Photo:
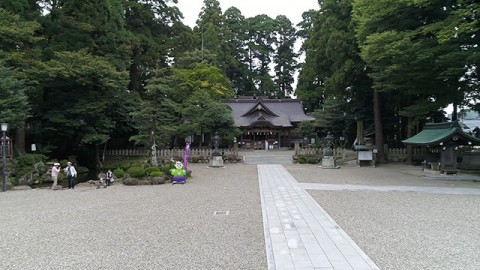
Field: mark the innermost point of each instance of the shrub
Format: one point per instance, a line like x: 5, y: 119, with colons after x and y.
x: 166, y: 168
x: 156, y: 173
x: 136, y: 172
x: 119, y: 173
x: 301, y: 160
x: 140, y: 163
x: 25, y: 163
x: 150, y: 170
x: 194, y: 160
x: 311, y: 160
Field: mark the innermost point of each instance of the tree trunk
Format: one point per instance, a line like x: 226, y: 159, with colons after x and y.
x: 409, y: 147
x: 454, y: 112
x: 97, y: 156
x: 359, y: 139
x: 20, y: 140
x: 377, y: 114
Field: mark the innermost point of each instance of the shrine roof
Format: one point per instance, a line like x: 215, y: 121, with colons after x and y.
x: 254, y: 111
x: 437, y: 133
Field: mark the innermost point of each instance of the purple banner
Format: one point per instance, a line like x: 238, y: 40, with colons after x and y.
x: 185, y: 156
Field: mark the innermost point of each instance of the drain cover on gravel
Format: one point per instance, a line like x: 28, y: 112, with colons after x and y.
x: 221, y: 213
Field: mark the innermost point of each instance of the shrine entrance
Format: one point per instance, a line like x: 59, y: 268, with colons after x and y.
x: 266, y: 124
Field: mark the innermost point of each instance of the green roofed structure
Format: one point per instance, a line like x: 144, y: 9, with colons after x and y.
x: 442, y: 141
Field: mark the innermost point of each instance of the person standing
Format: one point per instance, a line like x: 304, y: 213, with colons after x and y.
x: 55, y: 170
x: 71, y: 175
x: 109, y: 177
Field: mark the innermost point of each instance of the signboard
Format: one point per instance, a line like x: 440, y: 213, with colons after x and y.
x: 365, y: 155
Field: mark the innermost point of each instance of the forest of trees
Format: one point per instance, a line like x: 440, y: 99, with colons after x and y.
x: 81, y: 75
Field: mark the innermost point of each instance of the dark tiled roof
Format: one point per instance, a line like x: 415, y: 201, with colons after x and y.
x: 250, y: 111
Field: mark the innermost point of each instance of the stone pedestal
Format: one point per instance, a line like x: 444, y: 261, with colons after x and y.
x: 216, y: 162
x: 328, y: 162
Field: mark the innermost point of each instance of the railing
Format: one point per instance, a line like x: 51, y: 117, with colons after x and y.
x: 168, y: 153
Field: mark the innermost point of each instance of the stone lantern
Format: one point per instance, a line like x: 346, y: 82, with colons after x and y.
x: 328, y: 160
x: 217, y: 159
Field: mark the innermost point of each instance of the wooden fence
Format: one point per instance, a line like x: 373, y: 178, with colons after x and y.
x: 400, y: 154
x: 392, y: 154
x: 168, y: 153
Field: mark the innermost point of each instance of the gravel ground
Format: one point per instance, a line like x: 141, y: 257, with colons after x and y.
x: 138, y: 227
x: 410, y: 231
x: 386, y: 174
x: 401, y: 230
x: 173, y: 227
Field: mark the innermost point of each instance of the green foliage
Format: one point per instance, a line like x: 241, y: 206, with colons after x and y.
x: 307, y: 129
x: 76, y: 92
x: 411, y: 56
x: 150, y: 170
x: 311, y: 160
x: 156, y: 118
x: 136, y: 172
x: 205, y: 78
x: 302, y: 159
x: 119, y: 173
x: 14, y: 106
x: 217, y: 116
x: 25, y: 164
x: 284, y: 59
x: 156, y: 174
x: 16, y: 33
x: 166, y: 168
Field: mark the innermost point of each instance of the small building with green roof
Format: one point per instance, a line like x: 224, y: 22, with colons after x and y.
x: 442, y: 141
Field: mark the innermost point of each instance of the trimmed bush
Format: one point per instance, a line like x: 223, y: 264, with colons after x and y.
x: 150, y: 170
x: 302, y: 160
x: 136, y: 172
x: 156, y: 173
x: 119, y: 173
x: 311, y: 160
x: 166, y: 168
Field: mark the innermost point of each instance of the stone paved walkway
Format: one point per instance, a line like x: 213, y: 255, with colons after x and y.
x: 431, y: 190
x: 299, y: 234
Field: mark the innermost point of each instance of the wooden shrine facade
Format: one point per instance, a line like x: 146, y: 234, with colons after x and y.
x: 267, y: 123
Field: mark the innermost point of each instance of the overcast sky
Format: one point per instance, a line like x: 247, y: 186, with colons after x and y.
x: 293, y: 9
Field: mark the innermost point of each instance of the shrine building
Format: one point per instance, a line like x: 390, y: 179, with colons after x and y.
x: 267, y: 123
x: 442, y: 141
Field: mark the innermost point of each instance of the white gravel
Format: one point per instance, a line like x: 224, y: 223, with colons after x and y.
x: 138, y: 227
x: 173, y: 227
x: 400, y: 230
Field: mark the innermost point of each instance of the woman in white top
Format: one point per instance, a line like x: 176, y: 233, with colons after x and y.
x: 71, y: 175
